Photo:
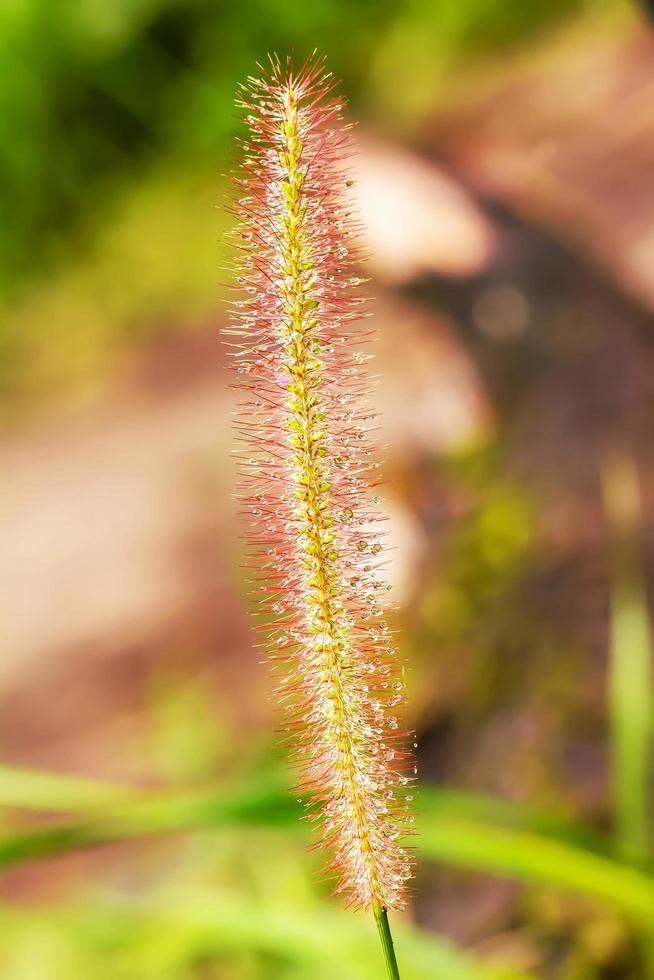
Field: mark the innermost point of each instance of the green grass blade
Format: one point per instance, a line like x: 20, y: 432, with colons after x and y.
x: 34, y: 789
x: 266, y: 803
x: 536, y: 859
x: 631, y: 701
x: 438, y: 803
x: 263, y: 802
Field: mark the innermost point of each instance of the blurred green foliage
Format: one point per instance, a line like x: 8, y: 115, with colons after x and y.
x: 98, y: 98
x: 94, y: 91
x: 223, y: 886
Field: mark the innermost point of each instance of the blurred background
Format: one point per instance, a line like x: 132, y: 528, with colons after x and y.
x: 504, y: 176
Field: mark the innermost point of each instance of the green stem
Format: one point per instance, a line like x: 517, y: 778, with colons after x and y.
x: 381, y: 918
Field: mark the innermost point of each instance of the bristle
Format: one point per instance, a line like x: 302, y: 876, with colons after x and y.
x: 316, y: 543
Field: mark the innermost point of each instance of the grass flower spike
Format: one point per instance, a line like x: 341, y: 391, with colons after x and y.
x: 309, y: 475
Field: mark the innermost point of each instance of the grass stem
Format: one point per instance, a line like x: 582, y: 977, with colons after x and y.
x: 381, y: 918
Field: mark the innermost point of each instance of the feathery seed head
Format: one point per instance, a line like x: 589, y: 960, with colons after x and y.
x: 315, y: 534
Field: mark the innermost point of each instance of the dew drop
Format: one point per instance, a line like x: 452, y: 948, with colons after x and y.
x: 347, y: 515
x: 376, y: 548
x: 362, y: 545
